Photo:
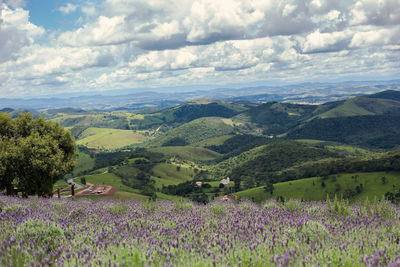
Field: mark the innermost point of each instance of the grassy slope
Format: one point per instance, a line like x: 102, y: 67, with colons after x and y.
x: 188, y: 152
x: 109, y: 138
x: 83, y: 162
x: 348, y: 108
x: 167, y: 174
x: 361, y: 106
x: 109, y: 179
x: 216, y: 141
x: 336, y: 146
x: 304, y: 188
x: 197, y: 130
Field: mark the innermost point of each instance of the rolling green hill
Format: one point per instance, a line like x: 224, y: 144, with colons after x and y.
x: 260, y: 162
x: 188, y: 112
x: 170, y: 174
x: 360, y: 106
x: 196, y: 131
x: 376, y: 131
x: 187, y: 152
x: 343, y: 185
x: 110, y: 138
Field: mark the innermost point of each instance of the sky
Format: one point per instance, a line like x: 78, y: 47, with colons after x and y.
x: 51, y: 47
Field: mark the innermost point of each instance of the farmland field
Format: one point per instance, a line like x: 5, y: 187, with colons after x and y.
x: 84, y: 232
x: 109, y: 138
x: 168, y: 174
x: 312, y: 189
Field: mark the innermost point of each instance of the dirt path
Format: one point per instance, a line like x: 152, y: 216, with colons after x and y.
x: 99, y: 190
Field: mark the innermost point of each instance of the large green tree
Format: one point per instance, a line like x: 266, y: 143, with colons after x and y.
x: 34, y: 153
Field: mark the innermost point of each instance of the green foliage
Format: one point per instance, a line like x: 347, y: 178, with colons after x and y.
x: 175, y: 141
x: 196, y: 130
x: 389, y: 161
x: 304, y: 189
x: 83, y: 180
x: 278, y: 155
x: 47, y: 235
x: 218, y: 209
x: 238, y: 144
x: 370, y: 131
x: 183, y: 205
x: 34, y: 154
x: 278, y: 118
x: 195, y: 154
x: 119, y: 209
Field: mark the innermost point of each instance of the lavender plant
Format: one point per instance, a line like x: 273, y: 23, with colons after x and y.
x: 52, y: 232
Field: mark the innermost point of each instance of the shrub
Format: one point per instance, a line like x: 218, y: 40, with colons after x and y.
x: 48, y: 236
x: 119, y: 209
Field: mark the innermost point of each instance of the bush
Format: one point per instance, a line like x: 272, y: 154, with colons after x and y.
x: 48, y: 236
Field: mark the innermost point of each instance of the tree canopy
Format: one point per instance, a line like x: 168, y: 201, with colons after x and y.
x: 34, y: 154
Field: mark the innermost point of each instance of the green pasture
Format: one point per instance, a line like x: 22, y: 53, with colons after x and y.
x: 168, y: 174
x: 312, y: 188
x: 188, y: 152
x: 107, y: 138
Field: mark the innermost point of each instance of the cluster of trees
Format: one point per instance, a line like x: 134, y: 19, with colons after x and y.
x: 378, y: 131
x: 275, y: 157
x: 276, y: 118
x: 389, y: 161
x: 238, y: 144
x: 34, y: 154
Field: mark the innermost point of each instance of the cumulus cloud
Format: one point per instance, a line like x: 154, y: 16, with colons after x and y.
x: 16, y: 32
x: 128, y: 43
x: 16, y: 3
x: 68, y: 8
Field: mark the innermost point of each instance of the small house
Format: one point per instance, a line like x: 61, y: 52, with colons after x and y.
x: 199, y: 183
x: 225, y: 182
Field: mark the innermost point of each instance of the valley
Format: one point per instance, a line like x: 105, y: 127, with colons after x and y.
x: 284, y: 148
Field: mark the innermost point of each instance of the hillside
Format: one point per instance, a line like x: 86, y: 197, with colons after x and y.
x: 195, y: 131
x: 106, y: 138
x: 354, y: 186
x: 277, y: 118
x: 187, y: 112
x: 365, y: 105
x: 375, y: 131
x: 259, y: 163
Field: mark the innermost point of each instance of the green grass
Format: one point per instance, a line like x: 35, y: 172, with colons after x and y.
x: 167, y: 174
x: 216, y: 141
x: 109, y: 179
x: 349, y: 149
x: 60, y: 184
x: 348, y: 108
x: 197, y: 131
x: 362, y: 106
x: 124, y: 192
x: 110, y: 138
x: 83, y: 163
x: 336, y: 146
x: 311, y: 189
x: 188, y: 152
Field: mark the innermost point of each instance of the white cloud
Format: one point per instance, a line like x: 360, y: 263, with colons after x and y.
x: 318, y: 42
x: 15, y: 3
x: 128, y: 43
x: 16, y: 32
x: 68, y: 8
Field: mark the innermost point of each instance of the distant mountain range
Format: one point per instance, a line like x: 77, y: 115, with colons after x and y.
x: 311, y: 93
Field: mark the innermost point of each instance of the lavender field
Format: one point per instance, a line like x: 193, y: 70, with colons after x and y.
x: 52, y: 232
